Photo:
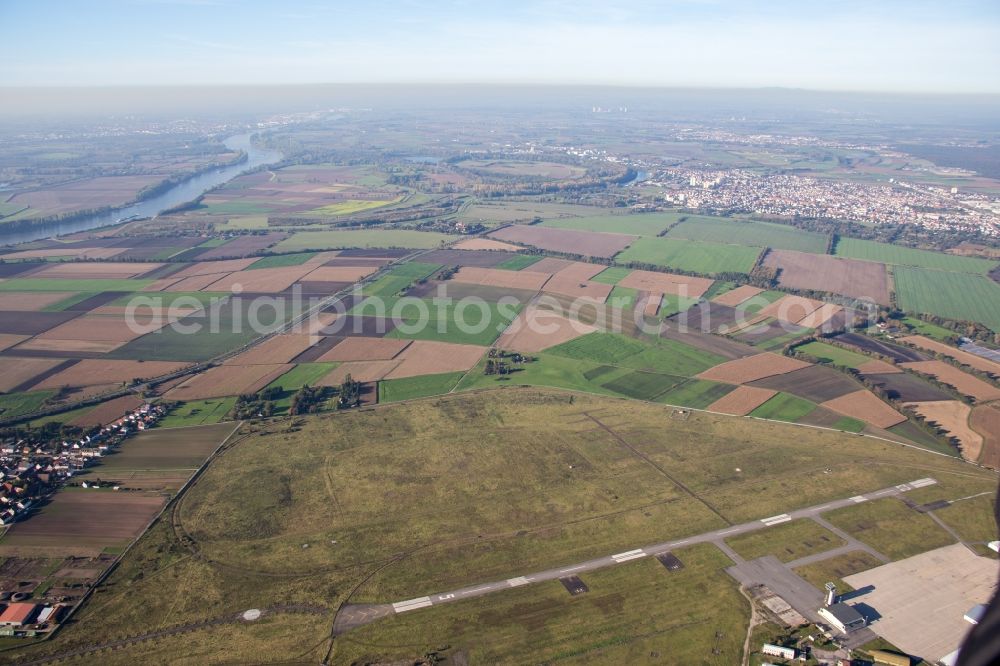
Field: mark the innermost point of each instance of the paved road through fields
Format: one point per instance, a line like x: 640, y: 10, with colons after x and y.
x: 656, y: 549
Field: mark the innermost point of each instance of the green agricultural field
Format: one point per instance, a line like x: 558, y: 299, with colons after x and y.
x: 352, y: 206
x: 886, y: 253
x: 693, y: 256
x: 198, y: 412
x: 368, y: 238
x: 833, y: 354
x: 787, y: 541
x: 519, y: 262
x: 747, y: 232
x: 69, y: 301
x: 54, y: 284
x: 933, y: 331
x: 391, y: 285
x: 960, y: 296
x: 673, y: 304
x: 636, y: 224
x: 547, y: 370
x: 16, y: 404
x: 643, y: 385
x: 784, y: 407
x: 611, y: 275
x: 408, y: 388
x: 478, y: 324
x: 379, y: 505
x: 237, y: 208
x: 623, y: 297
x: 695, y: 393
x: 891, y: 527
x: 282, y: 260
x: 666, y: 356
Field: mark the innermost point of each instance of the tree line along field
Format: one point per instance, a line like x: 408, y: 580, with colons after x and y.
x: 300, y: 516
x: 961, y: 296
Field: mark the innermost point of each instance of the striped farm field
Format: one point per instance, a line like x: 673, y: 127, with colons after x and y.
x: 961, y: 296
x: 747, y: 232
x: 856, y: 248
x: 694, y: 256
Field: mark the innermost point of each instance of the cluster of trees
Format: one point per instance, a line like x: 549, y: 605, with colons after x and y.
x: 256, y: 405
x: 349, y: 393
x: 498, y: 362
x: 309, y: 399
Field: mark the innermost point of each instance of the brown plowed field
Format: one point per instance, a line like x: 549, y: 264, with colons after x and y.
x: 497, y: 277
x: 752, y: 368
x: 651, y: 304
x: 574, y: 281
x: 819, y: 317
x: 963, y: 357
x: 31, y: 301
x: 8, y: 340
x: 15, y: 371
x: 360, y: 371
x: 815, y: 383
x: 104, y: 328
x: 193, y: 283
x: 535, y: 329
x: 85, y: 519
x: 570, y: 241
x: 552, y: 265
x: 108, y: 412
x: 737, y: 296
x: 866, y: 406
x: 887, y: 349
x: 822, y: 272
x: 276, y: 349
x: 365, y: 349
x: 100, y: 270
x: 741, y: 401
x: 92, y: 372
x: 907, y: 387
x: 953, y: 417
x: 877, y: 367
x: 485, y: 244
x: 952, y: 376
x: 70, y: 347
x: 214, y: 267
x: 261, y: 280
x: 426, y: 357
x: 791, y: 308
x: 77, y: 252
x: 340, y: 273
x: 667, y: 283
x: 985, y: 420
x: 31, y: 323
x: 228, y: 380
x: 241, y: 247
x: 715, y: 344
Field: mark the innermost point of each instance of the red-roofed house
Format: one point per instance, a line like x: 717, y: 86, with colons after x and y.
x: 18, y: 614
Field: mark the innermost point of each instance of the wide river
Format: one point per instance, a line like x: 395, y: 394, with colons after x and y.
x: 181, y: 193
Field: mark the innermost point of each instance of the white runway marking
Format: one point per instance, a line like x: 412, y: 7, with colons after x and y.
x: 520, y: 580
x: 629, y: 555
x: 775, y: 520
x: 572, y: 569
x: 858, y: 499
x: 729, y: 532
x: 920, y: 483
x: 412, y: 604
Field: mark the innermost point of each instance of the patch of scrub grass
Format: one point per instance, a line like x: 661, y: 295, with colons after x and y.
x: 834, y: 569
x: 408, y: 388
x: 787, y: 541
x: 16, y: 404
x: 784, y: 407
x: 973, y: 519
x: 890, y: 527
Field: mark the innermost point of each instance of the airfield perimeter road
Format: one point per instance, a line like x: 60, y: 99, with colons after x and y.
x: 626, y: 556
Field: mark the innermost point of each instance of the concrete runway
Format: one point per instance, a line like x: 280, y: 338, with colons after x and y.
x: 645, y: 551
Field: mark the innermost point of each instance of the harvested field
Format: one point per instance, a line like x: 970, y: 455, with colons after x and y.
x: 985, y: 420
x: 574, y: 280
x: 904, y: 386
x: 535, y: 329
x: 724, y: 347
x: 261, y: 280
x: 84, y: 194
x: 32, y: 323
x: 427, y: 357
x: 382, y: 253
x: 876, y: 367
x: 276, y: 349
x: 769, y: 331
x: 650, y: 303
x: 96, y: 301
x: 365, y: 349
x: 963, y: 357
x: 93, y: 372
x: 351, y: 325
x: 8, y: 340
x: 104, y: 270
x: 485, y: 244
x: 243, y: 246
x: 30, y: 301
x: 460, y: 290
x: 72, y: 348
x: 866, y: 406
x: 360, y: 371
x: 81, y: 519
x: 193, y: 283
x: 323, y: 345
x: 214, y: 267
x: 820, y: 272
x: 752, y: 368
x: 20, y: 269
x: 553, y: 264
x: 667, y: 283
x: 708, y: 316
x: 872, y: 346
x: 741, y: 401
x: 815, y: 382
x: 952, y: 416
x: 340, y: 273
x: 497, y: 277
x: 15, y: 371
x: 820, y: 316
x: 736, y: 296
x: 962, y: 382
x: 104, y: 328
x: 107, y: 412
x: 480, y: 258
x: 570, y: 241
x: 790, y: 308
x: 75, y: 252
x: 228, y: 380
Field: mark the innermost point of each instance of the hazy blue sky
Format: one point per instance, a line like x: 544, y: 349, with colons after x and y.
x: 893, y: 45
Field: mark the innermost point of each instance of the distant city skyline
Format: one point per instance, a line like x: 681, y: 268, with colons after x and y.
x: 892, y: 46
